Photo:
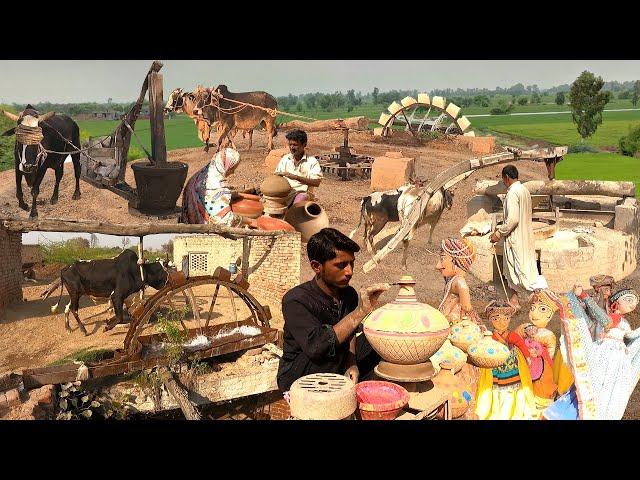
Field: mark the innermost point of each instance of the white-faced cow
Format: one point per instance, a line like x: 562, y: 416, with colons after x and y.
x: 225, y: 109
x: 35, y: 134
x: 379, y: 208
x: 114, y: 278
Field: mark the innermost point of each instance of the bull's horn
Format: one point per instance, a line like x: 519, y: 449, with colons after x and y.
x: 10, y: 115
x: 46, y: 116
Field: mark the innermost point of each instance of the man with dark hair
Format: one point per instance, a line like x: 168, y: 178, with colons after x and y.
x: 322, y: 315
x: 301, y: 171
x: 519, y: 257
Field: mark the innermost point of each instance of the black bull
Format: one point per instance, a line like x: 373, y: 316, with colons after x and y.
x: 56, y: 131
x: 114, y: 278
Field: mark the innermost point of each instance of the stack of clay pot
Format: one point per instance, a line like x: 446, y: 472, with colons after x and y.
x: 247, y: 206
x: 323, y: 396
x: 275, y: 194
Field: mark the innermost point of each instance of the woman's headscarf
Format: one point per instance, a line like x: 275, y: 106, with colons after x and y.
x: 461, y: 251
x: 220, y: 164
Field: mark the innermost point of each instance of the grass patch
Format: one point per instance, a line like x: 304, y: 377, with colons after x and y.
x: 599, y: 166
x: 69, y: 251
x: 86, y: 355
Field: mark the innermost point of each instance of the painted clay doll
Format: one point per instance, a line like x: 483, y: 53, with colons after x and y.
x: 506, y: 392
x: 606, y: 370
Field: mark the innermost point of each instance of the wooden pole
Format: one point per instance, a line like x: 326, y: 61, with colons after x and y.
x: 561, y: 187
x: 180, y: 394
x: 156, y: 117
x: 246, y: 249
x: 141, y: 257
x: 89, y: 226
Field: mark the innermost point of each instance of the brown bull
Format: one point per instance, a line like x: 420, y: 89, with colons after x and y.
x: 225, y: 109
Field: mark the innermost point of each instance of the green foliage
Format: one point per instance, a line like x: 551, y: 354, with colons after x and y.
x: 69, y: 251
x: 86, y: 355
x: 523, y: 101
x: 502, y: 107
x: 374, y: 95
x: 170, y: 325
x: 636, y: 93
x: 481, y: 100
x: 6, y: 143
x: 598, y: 166
x: 630, y: 144
x: 560, y: 98
x: 587, y: 102
x: 582, y: 148
x: 535, y: 98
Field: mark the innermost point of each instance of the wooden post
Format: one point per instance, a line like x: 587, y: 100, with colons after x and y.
x: 246, y: 249
x: 141, y: 257
x: 180, y: 394
x: 156, y: 117
x: 123, y: 134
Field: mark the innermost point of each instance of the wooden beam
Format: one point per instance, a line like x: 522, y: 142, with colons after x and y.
x: 180, y: 395
x: 561, y: 187
x: 92, y: 226
x: 156, y: 118
x: 354, y: 123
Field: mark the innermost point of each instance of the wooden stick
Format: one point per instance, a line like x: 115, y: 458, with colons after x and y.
x: 180, y: 394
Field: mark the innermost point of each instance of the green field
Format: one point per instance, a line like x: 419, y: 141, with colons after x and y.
x: 599, y: 166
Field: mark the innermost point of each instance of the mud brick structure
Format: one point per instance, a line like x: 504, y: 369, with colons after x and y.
x: 391, y: 171
x: 274, y: 262
x: 10, y: 268
x: 271, y: 160
x: 480, y: 145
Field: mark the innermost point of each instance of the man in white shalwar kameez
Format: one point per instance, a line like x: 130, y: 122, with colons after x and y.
x: 519, y: 258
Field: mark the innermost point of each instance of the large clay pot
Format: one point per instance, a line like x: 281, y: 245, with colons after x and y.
x: 457, y: 390
x: 488, y: 353
x: 271, y: 224
x: 158, y: 186
x: 405, y: 331
x: 308, y: 218
x: 464, y: 333
x: 275, y: 186
x: 275, y: 205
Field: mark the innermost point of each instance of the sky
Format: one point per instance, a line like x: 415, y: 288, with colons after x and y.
x: 154, y: 242
x: 65, y: 81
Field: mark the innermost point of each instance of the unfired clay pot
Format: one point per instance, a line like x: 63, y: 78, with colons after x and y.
x: 405, y: 331
x: 308, y: 218
x: 464, y: 333
x: 275, y: 186
x: 459, y: 393
x: 488, y: 353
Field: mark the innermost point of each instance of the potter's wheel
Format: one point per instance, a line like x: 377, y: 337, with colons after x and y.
x: 419, y: 372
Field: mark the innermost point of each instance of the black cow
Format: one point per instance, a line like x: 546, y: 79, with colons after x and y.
x: 115, y: 278
x: 30, y: 161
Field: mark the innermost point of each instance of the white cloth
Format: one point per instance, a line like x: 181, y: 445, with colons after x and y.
x: 217, y: 195
x: 519, y: 263
x: 308, y: 167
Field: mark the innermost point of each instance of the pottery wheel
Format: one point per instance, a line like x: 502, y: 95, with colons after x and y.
x: 420, y: 372
x: 323, y: 396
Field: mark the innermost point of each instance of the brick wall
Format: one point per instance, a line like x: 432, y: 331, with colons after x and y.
x: 10, y: 268
x: 274, y: 262
x: 272, y: 406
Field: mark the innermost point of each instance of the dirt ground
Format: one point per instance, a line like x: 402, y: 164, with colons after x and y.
x: 30, y: 336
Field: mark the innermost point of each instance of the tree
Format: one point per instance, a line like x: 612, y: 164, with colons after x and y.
x: 523, y: 101
x: 535, y: 98
x: 78, y: 243
x: 93, y: 241
x: 636, y: 93
x: 630, y: 144
x: 125, y: 242
x: 481, y: 100
x: 310, y: 100
x: 560, y: 98
x: 299, y: 106
x: 167, y: 247
x: 587, y: 102
x: 374, y: 94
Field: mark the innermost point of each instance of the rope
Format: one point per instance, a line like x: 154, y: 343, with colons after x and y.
x: 495, y: 256
x: 29, y: 135
x: 271, y: 111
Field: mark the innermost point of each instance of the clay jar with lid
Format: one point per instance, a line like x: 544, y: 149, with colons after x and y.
x: 464, y: 333
x: 405, y: 331
x: 487, y: 352
x: 457, y: 390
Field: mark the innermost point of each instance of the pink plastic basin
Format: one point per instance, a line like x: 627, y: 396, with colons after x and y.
x: 378, y: 400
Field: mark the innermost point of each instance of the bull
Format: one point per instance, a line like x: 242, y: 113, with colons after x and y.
x: 115, y: 278
x: 379, y: 208
x: 38, y: 138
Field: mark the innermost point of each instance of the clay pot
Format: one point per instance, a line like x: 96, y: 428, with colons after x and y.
x: 308, y: 218
x: 247, y: 208
x: 405, y: 331
x: 275, y: 205
x: 271, y: 224
x: 449, y: 353
x: 488, y: 353
x: 323, y: 396
x: 464, y: 333
x: 378, y: 400
x: 457, y: 390
x: 275, y: 186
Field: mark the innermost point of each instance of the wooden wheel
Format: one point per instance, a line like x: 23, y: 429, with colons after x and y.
x: 206, y: 301
x: 424, y: 115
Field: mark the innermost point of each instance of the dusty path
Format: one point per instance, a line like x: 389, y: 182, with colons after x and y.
x: 30, y: 336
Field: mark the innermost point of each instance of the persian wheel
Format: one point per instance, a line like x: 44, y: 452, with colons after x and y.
x: 204, y: 301
x: 423, y: 115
